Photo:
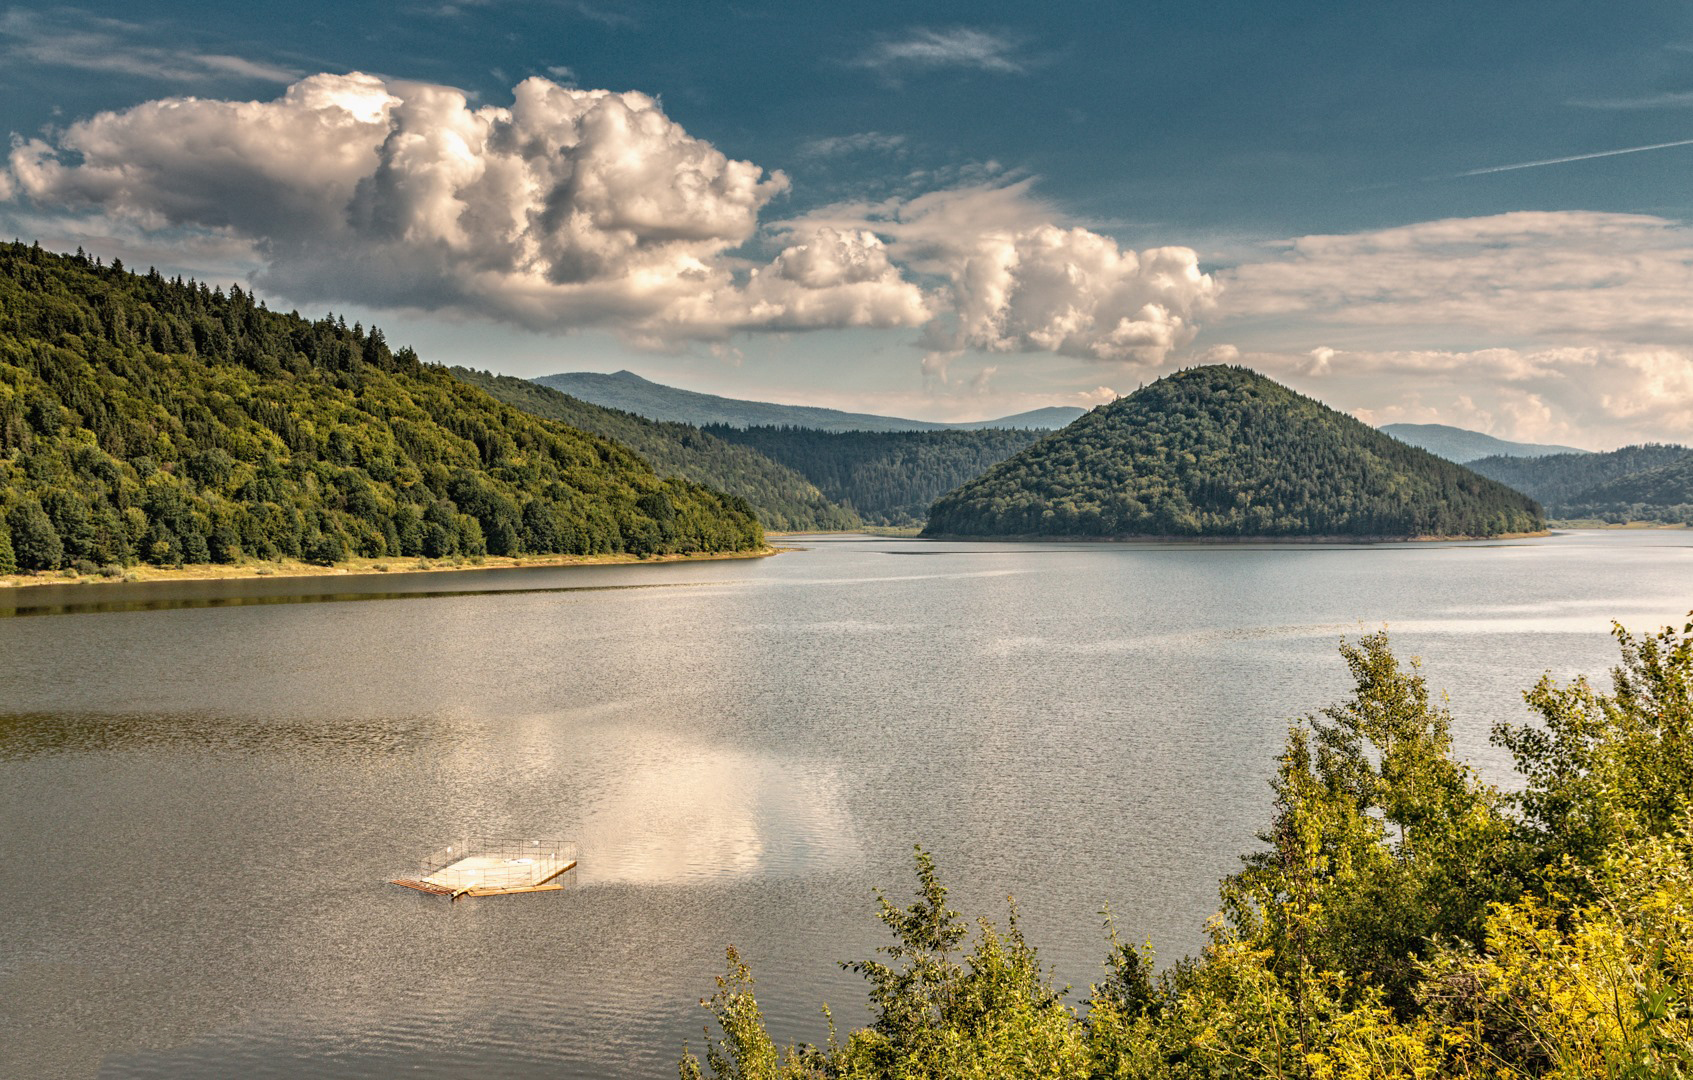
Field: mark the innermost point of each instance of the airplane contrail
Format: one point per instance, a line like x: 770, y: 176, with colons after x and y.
x: 1574, y: 157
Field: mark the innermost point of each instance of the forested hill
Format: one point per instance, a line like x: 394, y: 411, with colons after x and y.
x: 1223, y: 451
x: 782, y: 498
x: 151, y: 419
x: 1650, y: 482
x: 888, y: 477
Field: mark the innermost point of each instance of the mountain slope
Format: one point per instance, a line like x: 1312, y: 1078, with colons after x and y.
x: 782, y: 498
x: 146, y: 419
x: 888, y: 477
x: 629, y: 392
x: 1463, y: 446
x: 1222, y: 451
x: 1650, y: 482
x: 1050, y: 418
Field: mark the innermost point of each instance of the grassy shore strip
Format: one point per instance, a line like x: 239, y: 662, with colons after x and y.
x: 358, y: 567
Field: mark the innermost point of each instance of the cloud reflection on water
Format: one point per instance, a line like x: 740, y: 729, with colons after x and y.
x: 684, y: 812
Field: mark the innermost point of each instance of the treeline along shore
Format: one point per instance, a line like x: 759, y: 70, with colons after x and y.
x: 162, y: 422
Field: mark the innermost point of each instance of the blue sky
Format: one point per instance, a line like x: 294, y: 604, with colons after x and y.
x: 943, y: 210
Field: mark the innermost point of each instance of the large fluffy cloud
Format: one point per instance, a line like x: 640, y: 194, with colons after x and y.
x: 573, y: 208
x: 1075, y: 292
x: 567, y: 208
x: 1016, y: 282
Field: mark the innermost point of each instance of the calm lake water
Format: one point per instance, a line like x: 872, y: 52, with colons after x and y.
x: 204, y: 793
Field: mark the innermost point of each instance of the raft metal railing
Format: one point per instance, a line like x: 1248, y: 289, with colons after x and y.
x: 500, y: 862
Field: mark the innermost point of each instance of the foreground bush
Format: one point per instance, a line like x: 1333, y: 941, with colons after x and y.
x: 1403, y: 919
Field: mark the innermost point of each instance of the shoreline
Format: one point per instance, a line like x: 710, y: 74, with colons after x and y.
x: 1358, y: 541
x: 374, y: 569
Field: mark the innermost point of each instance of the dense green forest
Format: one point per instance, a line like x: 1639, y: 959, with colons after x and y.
x: 146, y: 419
x: 888, y: 477
x: 783, y: 498
x: 1651, y: 482
x: 1223, y: 451
x: 1403, y: 919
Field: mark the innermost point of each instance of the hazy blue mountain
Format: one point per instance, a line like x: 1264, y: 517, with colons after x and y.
x: 1050, y: 418
x: 628, y: 391
x: 1461, y: 445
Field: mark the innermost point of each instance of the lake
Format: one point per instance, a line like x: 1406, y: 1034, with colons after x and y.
x: 206, y: 787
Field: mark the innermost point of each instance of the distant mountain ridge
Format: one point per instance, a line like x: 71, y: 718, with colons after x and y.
x: 1225, y: 452
x: 1650, y: 482
x: 1463, y: 446
x: 629, y: 392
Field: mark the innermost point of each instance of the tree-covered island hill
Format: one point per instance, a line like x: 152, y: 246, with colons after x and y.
x: 1223, y: 452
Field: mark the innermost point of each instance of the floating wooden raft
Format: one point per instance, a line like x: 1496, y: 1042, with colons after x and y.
x: 483, y: 866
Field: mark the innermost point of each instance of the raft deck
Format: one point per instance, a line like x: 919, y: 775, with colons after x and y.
x: 483, y: 866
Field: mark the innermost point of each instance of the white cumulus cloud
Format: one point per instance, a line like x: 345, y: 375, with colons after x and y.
x: 567, y: 208
x: 570, y: 208
x: 1014, y: 282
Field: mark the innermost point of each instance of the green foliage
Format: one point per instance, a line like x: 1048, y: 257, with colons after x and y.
x: 1403, y: 919
x: 1650, y: 482
x: 888, y: 477
x: 937, y: 1014
x: 35, y: 542
x: 1221, y: 451
x: 1603, y: 769
x: 782, y: 498
x: 166, y: 421
x: 8, y: 557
